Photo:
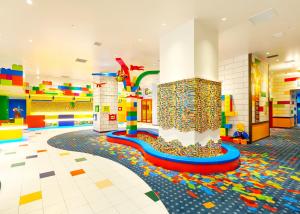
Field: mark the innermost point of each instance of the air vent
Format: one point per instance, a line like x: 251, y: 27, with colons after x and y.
x: 272, y: 56
x: 289, y: 61
x: 263, y: 16
x: 81, y: 60
x: 65, y: 76
x: 97, y: 44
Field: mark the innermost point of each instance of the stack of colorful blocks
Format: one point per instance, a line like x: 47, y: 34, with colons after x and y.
x: 67, y: 89
x: 12, y: 77
x: 227, y: 111
x: 131, y: 117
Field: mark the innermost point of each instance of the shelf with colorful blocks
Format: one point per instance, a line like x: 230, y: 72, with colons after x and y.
x: 132, y: 89
x: 60, y: 104
x: 227, y: 111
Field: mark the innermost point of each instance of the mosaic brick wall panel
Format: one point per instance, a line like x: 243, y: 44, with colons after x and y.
x: 208, y: 105
x: 259, y: 90
x: 190, y: 105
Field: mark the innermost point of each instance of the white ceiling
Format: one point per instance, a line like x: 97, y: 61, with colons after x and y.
x: 63, y: 30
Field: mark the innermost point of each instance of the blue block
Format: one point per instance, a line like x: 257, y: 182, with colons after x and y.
x: 66, y: 116
x: 131, y: 118
x: 228, y: 126
x: 131, y: 131
x: 135, y: 104
x: 8, y: 71
x: 77, y: 88
x: 66, y: 123
x: 62, y: 87
x: 17, y: 73
x: 223, y: 97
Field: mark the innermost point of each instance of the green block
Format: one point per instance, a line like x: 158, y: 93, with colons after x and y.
x: 35, y: 88
x: 88, y: 86
x: 152, y: 195
x: 132, y: 127
x: 4, y: 107
x: 6, y: 82
x: 263, y: 94
x: 89, y: 95
x: 132, y: 113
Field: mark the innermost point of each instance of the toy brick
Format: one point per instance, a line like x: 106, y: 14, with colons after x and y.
x: 17, y: 80
x: 228, y: 126
x: 6, y: 82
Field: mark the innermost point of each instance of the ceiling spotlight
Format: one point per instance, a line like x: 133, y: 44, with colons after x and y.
x: 224, y: 19
x: 140, y: 40
x: 29, y: 2
x: 268, y: 53
x: 30, y: 40
x: 163, y: 24
x: 277, y: 60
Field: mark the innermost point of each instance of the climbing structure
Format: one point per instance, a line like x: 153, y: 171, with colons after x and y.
x: 227, y: 111
x: 131, y: 86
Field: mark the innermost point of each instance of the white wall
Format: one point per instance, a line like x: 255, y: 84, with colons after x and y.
x: 154, y: 104
x: 233, y: 73
x: 206, y: 52
x: 177, y: 54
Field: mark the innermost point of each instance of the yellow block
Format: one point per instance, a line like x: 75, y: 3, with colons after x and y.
x: 131, y: 123
x: 51, y: 117
x: 11, y: 134
x: 222, y: 132
x: 230, y: 114
x: 19, y: 121
x: 128, y: 88
x: 131, y: 109
x: 24, y: 199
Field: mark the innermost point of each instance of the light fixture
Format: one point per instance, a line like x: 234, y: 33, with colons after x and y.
x: 140, y: 40
x: 224, y: 19
x: 268, y: 53
x: 277, y: 60
x: 30, y: 40
x: 29, y: 2
x: 163, y: 24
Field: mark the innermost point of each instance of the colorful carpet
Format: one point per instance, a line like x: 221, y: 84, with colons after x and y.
x: 268, y: 180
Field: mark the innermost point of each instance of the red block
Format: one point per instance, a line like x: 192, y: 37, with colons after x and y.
x: 290, y: 79
x: 3, y: 76
x: 17, y: 80
x: 9, y: 77
x: 85, y: 89
x: 112, y: 117
x: 39, y: 92
x: 260, y: 108
x: 283, y: 102
x: 35, y: 121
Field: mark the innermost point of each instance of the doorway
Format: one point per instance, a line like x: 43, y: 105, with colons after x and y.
x: 146, y: 111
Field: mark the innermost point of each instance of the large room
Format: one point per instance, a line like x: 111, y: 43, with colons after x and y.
x: 149, y: 106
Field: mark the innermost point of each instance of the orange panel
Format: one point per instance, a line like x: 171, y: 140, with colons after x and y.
x: 283, y: 122
x: 260, y: 131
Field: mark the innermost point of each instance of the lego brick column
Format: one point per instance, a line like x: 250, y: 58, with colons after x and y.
x: 105, y: 102
x: 131, y: 117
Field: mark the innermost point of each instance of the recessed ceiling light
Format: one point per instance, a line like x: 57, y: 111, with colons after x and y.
x: 30, y: 40
x: 277, y: 60
x: 163, y: 24
x: 268, y: 53
x: 29, y: 2
x: 140, y: 40
x: 224, y: 19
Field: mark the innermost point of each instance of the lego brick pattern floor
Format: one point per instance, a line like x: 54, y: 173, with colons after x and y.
x: 268, y: 180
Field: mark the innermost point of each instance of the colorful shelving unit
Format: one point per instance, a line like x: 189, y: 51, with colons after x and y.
x: 58, y: 106
x: 227, y: 111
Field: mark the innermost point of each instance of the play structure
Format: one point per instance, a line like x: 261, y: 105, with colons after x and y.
x: 12, y: 104
x: 132, y: 88
x: 211, y: 158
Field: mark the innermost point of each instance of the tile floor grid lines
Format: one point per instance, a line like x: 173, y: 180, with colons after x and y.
x: 56, y: 193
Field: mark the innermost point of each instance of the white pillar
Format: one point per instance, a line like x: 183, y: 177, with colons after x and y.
x: 189, y: 51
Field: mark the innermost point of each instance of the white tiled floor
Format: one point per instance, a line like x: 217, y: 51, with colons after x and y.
x: 64, y: 193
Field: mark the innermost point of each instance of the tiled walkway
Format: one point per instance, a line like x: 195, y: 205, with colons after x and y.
x: 268, y: 180
x: 38, y: 178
